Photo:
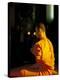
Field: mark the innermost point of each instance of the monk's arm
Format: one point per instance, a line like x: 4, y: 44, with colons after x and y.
x: 36, y: 49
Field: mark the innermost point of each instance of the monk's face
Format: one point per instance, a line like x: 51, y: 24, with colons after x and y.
x: 39, y: 33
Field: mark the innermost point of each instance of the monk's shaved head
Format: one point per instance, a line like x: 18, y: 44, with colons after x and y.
x: 41, y: 26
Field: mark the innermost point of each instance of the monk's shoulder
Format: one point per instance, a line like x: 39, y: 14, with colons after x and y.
x: 50, y: 43
x: 41, y: 42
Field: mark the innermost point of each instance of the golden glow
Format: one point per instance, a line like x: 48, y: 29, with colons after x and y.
x: 34, y: 33
x: 28, y: 33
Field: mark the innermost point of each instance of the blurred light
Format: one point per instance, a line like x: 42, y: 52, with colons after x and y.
x: 28, y: 33
x: 49, y: 12
x: 34, y: 33
x: 52, y: 12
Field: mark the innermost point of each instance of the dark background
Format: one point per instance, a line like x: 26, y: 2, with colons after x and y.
x: 22, y: 18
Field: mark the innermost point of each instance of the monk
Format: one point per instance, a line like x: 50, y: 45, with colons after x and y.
x: 44, y: 55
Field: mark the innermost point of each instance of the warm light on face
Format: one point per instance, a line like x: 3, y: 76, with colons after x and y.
x: 39, y: 33
x: 28, y: 33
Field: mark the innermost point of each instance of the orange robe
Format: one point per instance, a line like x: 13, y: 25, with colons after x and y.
x: 44, y: 53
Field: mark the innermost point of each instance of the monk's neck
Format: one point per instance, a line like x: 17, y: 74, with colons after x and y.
x: 43, y: 38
